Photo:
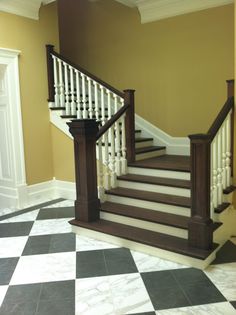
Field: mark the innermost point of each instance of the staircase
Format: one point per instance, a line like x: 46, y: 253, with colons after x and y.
x: 138, y: 194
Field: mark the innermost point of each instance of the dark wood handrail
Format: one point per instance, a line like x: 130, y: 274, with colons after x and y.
x: 111, y: 121
x: 221, y: 117
x: 92, y: 76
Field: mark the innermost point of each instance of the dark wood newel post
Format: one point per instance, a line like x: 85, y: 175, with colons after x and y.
x: 49, y: 50
x: 130, y: 125
x: 87, y: 204
x: 200, y: 228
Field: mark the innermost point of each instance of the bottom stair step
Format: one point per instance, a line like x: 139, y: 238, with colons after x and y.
x: 146, y: 237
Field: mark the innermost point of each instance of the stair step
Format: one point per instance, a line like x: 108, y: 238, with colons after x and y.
x: 138, y: 130
x: 150, y: 196
x: 145, y: 214
x: 148, y: 149
x: 141, y: 139
x: 229, y: 189
x: 222, y: 207
x: 171, y: 182
x: 146, y: 237
x: 179, y: 163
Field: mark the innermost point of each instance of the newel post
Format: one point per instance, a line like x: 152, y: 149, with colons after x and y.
x: 87, y: 204
x: 200, y: 227
x: 130, y: 125
x: 49, y: 50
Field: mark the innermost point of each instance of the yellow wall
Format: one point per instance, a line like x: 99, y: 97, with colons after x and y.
x: 178, y: 65
x: 30, y: 37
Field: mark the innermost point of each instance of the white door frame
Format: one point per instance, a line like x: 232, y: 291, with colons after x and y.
x: 13, y: 188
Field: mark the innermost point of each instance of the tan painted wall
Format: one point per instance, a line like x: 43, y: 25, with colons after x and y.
x: 30, y: 37
x: 178, y: 65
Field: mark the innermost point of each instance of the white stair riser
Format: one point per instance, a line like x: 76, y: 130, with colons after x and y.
x: 138, y: 135
x: 155, y: 188
x: 143, y: 144
x: 149, y: 205
x: 148, y: 155
x: 150, y: 250
x: 169, y: 230
x: 158, y: 173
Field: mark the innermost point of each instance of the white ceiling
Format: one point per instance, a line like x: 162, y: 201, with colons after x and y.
x: 150, y: 10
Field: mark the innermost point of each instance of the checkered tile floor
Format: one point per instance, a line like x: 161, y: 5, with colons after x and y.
x: 47, y: 270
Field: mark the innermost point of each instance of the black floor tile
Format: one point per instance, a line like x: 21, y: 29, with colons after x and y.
x: 56, y: 213
x: 53, y: 243
x: 157, y: 280
x: 15, y: 229
x: 234, y: 304
x: 119, y: 261
x: 226, y: 254
x: 7, y: 267
x: 60, y: 307
x: 90, y: 264
x: 64, y: 242
x: 20, y: 308
x: 189, y: 276
x: 23, y: 293
x: 59, y: 290
x: 165, y: 298
x: 199, y: 293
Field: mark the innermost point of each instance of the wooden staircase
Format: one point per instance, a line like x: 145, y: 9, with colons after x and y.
x: 147, y: 200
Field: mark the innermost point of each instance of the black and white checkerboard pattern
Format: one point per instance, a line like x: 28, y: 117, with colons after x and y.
x: 47, y: 270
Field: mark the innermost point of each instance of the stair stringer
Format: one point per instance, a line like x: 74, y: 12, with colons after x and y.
x: 174, y: 145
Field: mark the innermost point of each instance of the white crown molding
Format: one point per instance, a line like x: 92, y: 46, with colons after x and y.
x: 153, y: 10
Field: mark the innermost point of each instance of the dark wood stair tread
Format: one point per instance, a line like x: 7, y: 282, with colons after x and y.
x: 163, y: 181
x: 149, y: 149
x: 166, y: 162
x: 146, y: 214
x: 138, y: 130
x: 150, y: 196
x: 222, y: 207
x: 146, y: 237
x: 142, y: 139
x: 229, y: 189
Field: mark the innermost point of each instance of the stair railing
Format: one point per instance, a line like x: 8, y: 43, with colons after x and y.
x: 103, y: 130
x: 211, y: 173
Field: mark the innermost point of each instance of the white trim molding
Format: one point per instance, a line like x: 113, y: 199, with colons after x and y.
x: 174, y: 145
x: 13, y: 185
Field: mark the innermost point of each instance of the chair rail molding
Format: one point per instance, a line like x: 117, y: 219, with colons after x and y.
x: 13, y: 189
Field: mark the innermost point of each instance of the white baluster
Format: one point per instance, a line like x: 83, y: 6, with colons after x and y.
x: 72, y: 92
x: 61, y: 84
x: 84, y: 99
x: 106, y: 162
x: 123, y: 146
x: 228, y: 150
x: 78, y: 98
x: 67, y: 97
x: 112, y: 157
x: 117, y: 141
x: 219, y: 169
x: 214, y: 174
x: 109, y: 109
x: 100, y: 171
x: 56, y: 84
x: 90, y: 98
x: 223, y: 138
x: 103, y: 119
x: 96, y: 100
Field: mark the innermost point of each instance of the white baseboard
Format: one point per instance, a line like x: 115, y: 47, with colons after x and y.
x: 65, y: 189
x: 174, y: 145
x: 13, y: 197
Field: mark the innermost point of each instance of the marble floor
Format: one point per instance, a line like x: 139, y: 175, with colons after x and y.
x: 47, y: 270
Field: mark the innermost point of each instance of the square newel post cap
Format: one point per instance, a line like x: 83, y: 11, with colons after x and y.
x: 83, y: 127
x: 200, y: 138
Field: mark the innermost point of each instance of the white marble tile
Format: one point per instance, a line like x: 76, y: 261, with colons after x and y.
x: 64, y: 203
x: 52, y: 226
x: 12, y: 246
x: 3, y: 291
x: 223, y: 276
x: 84, y: 243
x: 93, y: 297
x: 45, y: 268
x: 129, y: 294
x: 147, y: 263
x: 224, y: 308
x: 29, y: 216
x: 5, y: 211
